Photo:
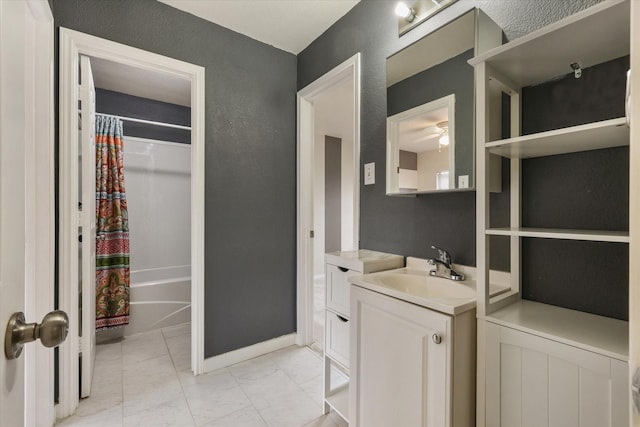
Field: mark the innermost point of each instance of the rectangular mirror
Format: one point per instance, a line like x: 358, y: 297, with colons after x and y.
x: 431, y: 107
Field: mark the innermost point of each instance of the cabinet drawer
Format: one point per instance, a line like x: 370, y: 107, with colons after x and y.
x: 338, y: 288
x: 337, y: 338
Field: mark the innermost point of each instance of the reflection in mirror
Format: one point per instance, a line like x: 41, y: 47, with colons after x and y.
x: 428, y: 83
x: 426, y: 142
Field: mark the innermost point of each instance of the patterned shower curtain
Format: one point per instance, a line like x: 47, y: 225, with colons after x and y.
x: 112, y: 227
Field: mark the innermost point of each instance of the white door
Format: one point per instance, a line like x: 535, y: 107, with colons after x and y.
x: 26, y: 111
x: 87, y: 150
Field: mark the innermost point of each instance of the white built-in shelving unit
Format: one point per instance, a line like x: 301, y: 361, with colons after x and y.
x: 593, y: 36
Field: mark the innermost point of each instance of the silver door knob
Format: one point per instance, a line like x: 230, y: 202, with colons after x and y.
x: 436, y: 338
x: 52, y: 331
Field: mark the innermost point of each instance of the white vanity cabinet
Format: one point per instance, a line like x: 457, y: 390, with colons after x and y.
x: 339, y: 267
x: 410, y: 366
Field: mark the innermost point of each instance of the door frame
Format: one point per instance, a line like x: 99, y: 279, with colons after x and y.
x: 72, y: 44
x: 349, y: 69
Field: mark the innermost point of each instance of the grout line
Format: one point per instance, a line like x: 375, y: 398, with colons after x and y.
x: 175, y: 370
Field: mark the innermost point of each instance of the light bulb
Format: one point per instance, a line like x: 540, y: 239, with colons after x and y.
x: 404, y: 11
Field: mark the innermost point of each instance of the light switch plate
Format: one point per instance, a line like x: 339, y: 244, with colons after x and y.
x: 369, y: 173
x: 463, y: 181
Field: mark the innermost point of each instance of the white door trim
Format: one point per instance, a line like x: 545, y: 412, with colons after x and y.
x: 39, y: 210
x: 72, y: 44
x: 349, y: 69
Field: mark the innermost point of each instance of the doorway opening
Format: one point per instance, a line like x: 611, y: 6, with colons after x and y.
x: 328, y: 187
x: 155, y: 155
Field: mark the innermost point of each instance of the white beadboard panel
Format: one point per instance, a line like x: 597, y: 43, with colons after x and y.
x: 546, y: 383
x: 564, y: 405
x: 535, y: 388
x: 619, y: 393
x: 510, y: 385
x: 595, y: 399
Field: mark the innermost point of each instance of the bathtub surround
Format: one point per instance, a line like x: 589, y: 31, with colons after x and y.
x: 158, y: 182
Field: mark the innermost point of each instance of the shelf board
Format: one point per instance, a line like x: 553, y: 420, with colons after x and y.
x: 589, y: 37
x: 339, y: 401
x: 565, y: 234
x: 592, y: 136
x: 599, y: 334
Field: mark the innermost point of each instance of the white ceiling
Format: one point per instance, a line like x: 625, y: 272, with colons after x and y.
x: 418, y: 134
x: 290, y: 25
x: 138, y: 82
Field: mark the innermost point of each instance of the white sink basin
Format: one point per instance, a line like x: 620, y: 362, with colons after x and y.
x: 427, y: 286
x: 418, y: 287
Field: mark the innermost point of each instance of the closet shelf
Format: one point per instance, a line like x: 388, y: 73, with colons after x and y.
x: 592, y: 136
x: 596, y: 35
x: 566, y: 234
x: 599, y: 334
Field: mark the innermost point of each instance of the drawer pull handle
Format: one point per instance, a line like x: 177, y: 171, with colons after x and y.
x: 344, y: 319
x: 436, y: 338
x: 344, y: 270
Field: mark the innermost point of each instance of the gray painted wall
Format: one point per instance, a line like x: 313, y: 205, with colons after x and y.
x: 250, y: 160
x: 408, y: 226
x: 332, y: 194
x: 120, y: 104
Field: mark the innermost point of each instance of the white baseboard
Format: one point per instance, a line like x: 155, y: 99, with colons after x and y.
x: 246, y: 353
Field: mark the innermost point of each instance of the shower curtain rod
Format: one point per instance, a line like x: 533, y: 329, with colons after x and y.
x: 148, y: 122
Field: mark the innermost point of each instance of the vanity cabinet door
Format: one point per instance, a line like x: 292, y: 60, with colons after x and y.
x: 534, y: 381
x: 338, y: 288
x: 400, y: 363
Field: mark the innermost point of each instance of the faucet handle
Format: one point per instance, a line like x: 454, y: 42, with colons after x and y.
x: 443, y: 255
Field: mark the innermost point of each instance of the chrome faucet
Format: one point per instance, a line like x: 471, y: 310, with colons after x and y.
x: 443, y: 266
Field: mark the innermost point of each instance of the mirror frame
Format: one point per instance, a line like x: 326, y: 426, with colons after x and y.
x: 393, y: 144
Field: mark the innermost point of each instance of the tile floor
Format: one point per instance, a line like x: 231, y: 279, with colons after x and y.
x: 144, y: 380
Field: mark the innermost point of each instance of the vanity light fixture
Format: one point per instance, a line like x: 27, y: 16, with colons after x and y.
x: 405, y: 12
x: 411, y: 13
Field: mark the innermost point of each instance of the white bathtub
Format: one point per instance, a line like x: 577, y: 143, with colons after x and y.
x: 160, y: 297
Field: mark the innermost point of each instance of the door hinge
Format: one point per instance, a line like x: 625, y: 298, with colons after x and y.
x: 311, y: 234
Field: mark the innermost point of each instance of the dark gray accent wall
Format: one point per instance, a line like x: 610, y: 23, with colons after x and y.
x: 453, y: 76
x: 120, y: 104
x: 410, y: 225
x: 332, y: 194
x: 250, y: 158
